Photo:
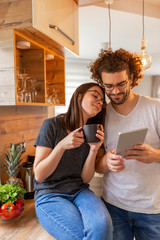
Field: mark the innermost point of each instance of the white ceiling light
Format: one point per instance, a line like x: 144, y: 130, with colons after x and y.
x: 146, y: 57
x: 108, y: 1
x: 23, y: 44
x: 49, y: 56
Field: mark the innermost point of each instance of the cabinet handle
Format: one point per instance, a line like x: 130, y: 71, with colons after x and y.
x: 59, y: 30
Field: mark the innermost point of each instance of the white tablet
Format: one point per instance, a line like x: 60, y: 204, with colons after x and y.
x: 126, y: 140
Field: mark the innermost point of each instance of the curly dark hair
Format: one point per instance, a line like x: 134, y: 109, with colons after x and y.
x: 117, y: 61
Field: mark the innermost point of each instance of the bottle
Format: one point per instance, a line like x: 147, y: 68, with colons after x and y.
x: 28, y: 180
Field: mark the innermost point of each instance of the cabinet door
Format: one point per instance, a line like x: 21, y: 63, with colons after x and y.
x: 60, y: 13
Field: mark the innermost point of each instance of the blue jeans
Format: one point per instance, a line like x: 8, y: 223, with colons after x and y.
x: 128, y: 225
x: 82, y: 216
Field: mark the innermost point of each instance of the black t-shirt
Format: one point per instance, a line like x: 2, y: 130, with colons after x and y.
x: 67, y: 176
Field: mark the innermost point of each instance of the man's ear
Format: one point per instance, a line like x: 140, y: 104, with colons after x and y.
x: 131, y: 80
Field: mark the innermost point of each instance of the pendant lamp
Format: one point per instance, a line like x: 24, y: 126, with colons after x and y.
x: 146, y: 57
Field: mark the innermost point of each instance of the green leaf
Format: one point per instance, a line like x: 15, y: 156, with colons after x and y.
x: 10, y: 193
x: 13, y: 160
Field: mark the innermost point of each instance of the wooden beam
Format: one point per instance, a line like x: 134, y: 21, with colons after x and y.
x: 83, y: 3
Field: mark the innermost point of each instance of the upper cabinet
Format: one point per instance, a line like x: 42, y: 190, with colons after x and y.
x: 58, y: 20
x: 39, y: 73
x: 51, y: 28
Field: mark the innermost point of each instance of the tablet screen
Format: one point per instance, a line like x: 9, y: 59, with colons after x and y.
x: 126, y: 140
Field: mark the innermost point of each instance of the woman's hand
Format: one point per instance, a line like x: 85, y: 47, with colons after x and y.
x: 100, y: 134
x: 72, y: 140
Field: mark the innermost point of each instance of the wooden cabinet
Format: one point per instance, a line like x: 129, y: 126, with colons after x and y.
x: 31, y: 23
x: 39, y: 73
x: 59, y: 21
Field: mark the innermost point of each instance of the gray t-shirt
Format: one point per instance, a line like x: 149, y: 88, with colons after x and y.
x: 137, y: 187
x: 67, y: 176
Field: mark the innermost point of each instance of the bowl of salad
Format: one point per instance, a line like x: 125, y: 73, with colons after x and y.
x: 12, y: 203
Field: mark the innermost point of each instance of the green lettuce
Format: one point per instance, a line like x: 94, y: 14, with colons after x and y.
x: 10, y: 193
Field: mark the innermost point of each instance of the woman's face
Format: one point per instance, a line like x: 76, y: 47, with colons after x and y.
x: 92, y: 102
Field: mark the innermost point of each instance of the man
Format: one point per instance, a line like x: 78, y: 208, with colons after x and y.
x: 131, y: 185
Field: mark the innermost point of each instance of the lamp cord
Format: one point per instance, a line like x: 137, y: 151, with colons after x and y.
x: 143, y: 19
x: 109, y: 25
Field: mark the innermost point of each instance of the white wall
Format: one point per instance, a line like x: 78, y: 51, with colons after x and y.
x: 145, y: 86
x: 77, y: 73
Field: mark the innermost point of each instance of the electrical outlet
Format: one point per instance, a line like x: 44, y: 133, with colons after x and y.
x: 21, y: 146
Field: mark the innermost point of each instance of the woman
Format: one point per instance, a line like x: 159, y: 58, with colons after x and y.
x: 65, y: 164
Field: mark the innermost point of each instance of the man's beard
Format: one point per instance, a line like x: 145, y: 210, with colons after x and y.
x: 119, y: 101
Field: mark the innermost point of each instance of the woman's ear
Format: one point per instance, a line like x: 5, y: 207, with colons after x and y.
x: 79, y: 101
x: 79, y: 98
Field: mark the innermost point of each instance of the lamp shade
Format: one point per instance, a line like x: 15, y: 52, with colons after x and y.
x: 145, y: 56
x: 146, y: 59
x: 106, y: 46
x: 108, y: 1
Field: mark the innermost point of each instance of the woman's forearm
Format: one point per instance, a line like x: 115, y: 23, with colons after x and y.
x: 88, y: 170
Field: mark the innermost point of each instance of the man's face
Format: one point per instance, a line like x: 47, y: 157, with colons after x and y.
x: 117, y: 86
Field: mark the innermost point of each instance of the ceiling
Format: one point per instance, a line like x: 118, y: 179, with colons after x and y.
x: 126, y: 28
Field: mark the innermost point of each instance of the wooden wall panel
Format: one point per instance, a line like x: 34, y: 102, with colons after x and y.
x: 18, y: 124
x: 13, y: 14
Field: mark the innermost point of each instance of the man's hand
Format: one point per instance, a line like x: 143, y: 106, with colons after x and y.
x: 144, y: 153
x: 114, y: 162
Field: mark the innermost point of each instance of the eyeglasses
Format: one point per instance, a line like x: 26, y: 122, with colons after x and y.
x: 97, y: 97
x: 120, y: 86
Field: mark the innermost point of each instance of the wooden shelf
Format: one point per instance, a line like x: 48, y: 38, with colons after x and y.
x: 49, y: 74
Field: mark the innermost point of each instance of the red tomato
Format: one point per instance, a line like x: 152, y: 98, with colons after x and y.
x: 19, y: 207
x: 19, y: 203
x: 7, y: 210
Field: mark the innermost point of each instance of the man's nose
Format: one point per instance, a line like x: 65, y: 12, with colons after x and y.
x: 115, y: 90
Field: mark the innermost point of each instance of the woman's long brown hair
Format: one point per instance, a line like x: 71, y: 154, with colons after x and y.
x: 71, y: 119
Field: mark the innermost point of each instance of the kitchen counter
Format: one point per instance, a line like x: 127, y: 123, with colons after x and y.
x: 25, y: 228
x: 28, y: 226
